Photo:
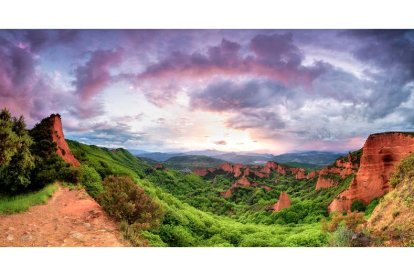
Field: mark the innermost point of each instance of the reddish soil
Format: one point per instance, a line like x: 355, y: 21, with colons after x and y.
x: 69, y: 218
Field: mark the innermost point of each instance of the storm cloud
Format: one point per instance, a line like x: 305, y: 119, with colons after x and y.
x: 297, y: 88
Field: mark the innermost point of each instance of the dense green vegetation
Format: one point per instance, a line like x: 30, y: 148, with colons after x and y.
x: 164, y: 207
x: 16, y: 160
x: 91, y: 180
x: 251, y: 204
x: 22, y: 202
x: 191, y: 206
x: 108, y: 161
x: 28, y: 159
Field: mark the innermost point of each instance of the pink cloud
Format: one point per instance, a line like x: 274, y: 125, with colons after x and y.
x: 94, y: 76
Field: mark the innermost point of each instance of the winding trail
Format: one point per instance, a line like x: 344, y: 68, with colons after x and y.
x: 69, y: 218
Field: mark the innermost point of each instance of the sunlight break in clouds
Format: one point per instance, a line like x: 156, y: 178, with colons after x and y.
x: 231, y: 90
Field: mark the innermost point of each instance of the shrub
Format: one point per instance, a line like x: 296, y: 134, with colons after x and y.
x: 124, y: 200
x: 309, y: 238
x: 177, y: 236
x: 342, y: 236
x: 350, y: 220
x: 357, y: 206
x: 371, y: 206
x: 404, y: 169
x: 91, y: 180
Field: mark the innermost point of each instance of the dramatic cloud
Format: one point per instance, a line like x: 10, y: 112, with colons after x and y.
x: 227, y: 95
x: 267, y: 90
x: 283, y: 64
x: 95, y: 75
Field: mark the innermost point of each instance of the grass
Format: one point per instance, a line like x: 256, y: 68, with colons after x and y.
x: 22, y: 202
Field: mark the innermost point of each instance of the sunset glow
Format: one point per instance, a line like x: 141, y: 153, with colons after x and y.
x: 230, y: 90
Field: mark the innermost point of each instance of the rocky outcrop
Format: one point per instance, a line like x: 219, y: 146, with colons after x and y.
x: 242, y: 182
x: 159, y: 166
x: 380, y: 155
x: 312, y: 175
x: 298, y: 172
x: 325, y: 182
x: 342, y: 168
x: 58, y: 137
x: 200, y: 172
x: 227, y: 194
x: 240, y: 170
x: 283, y: 202
x: 273, y: 166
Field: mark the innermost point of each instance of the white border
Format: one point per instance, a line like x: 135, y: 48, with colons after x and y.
x: 221, y: 14
x: 155, y: 14
x: 206, y: 261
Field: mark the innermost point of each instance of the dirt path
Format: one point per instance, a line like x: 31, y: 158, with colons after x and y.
x: 70, y: 218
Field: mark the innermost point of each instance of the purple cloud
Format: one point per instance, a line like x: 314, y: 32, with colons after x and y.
x: 95, y: 75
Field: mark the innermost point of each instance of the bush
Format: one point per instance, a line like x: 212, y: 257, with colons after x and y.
x: 371, y: 206
x: 124, y: 200
x: 342, y: 236
x: 404, y: 169
x: 357, y: 206
x: 91, y: 180
x: 309, y: 238
x: 351, y: 221
x: 177, y: 236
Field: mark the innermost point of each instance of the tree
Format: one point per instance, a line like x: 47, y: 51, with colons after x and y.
x: 16, y: 160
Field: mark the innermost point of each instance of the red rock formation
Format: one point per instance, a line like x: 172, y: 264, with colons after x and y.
x: 59, y: 138
x: 381, y: 153
x: 311, y: 175
x: 227, y: 193
x: 159, y: 166
x: 325, y: 182
x: 200, y: 172
x: 267, y: 188
x: 273, y: 166
x: 227, y: 167
x: 342, y: 167
x: 246, y: 172
x: 237, y: 169
x: 244, y: 182
x: 284, y: 202
x: 298, y: 172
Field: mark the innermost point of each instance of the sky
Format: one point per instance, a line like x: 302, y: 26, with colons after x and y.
x: 269, y: 91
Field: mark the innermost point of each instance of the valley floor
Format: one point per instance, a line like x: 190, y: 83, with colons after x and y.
x: 69, y: 218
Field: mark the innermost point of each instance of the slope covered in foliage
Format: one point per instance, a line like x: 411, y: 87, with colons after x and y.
x: 392, y: 221
x: 183, y: 224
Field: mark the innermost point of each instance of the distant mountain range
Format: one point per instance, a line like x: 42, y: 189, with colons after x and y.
x: 192, y: 161
x: 308, y: 159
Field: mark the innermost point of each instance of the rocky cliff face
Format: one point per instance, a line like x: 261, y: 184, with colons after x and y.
x: 241, y: 172
x: 283, y: 202
x: 58, y: 137
x: 342, y: 168
x: 380, y: 155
